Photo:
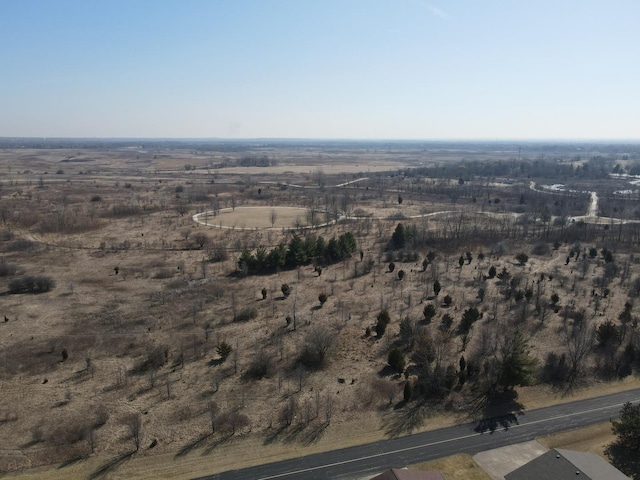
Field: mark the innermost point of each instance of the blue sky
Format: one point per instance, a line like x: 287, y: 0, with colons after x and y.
x: 368, y: 69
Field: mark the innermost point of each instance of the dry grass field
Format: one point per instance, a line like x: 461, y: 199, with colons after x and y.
x: 115, y: 368
x: 455, y: 467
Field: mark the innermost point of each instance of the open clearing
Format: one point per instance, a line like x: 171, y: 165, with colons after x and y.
x: 258, y: 217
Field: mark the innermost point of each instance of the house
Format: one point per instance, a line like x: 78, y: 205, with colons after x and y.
x: 405, y: 474
x: 559, y: 464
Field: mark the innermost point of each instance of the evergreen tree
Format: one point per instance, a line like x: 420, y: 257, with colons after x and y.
x: 627, y: 428
x: 429, y: 312
x: 395, y: 358
x: 383, y: 320
x: 399, y: 238
x: 517, y: 366
x: 407, y: 392
x: 436, y: 288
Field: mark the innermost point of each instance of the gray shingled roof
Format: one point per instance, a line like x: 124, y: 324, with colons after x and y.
x: 594, y: 465
x: 404, y: 474
x: 560, y: 464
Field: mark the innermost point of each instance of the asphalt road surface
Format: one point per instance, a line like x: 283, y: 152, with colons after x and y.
x: 369, y: 459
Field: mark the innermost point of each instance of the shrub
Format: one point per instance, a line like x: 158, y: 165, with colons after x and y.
x: 285, y: 289
x: 96, y: 198
x: 318, y: 342
x: 124, y: 210
x: 448, y: 300
x: 163, y: 273
x: 556, y: 368
x: 429, y: 312
x: 383, y: 320
x: 224, y: 350
x: 446, y: 323
x: 155, y: 359
x: 522, y: 258
x: 6, y: 235
x: 245, y: 315
x: 20, y: 245
x: 395, y: 359
x: 260, y: 366
x: 322, y: 298
x: 7, y: 269
x: 407, y: 392
x: 31, y: 284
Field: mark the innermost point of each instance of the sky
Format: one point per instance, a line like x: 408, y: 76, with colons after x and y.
x: 339, y: 69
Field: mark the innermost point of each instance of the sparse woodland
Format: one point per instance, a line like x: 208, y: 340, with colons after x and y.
x: 127, y: 328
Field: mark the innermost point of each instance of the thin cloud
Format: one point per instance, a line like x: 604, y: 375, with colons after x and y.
x: 438, y: 12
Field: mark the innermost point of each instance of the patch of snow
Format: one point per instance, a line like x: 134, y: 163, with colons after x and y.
x: 556, y: 187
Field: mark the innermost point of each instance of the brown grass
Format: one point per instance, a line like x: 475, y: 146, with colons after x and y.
x: 456, y: 467
x: 592, y: 439
x: 259, y: 217
x: 165, y: 297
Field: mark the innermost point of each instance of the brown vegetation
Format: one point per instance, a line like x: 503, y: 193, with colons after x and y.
x: 145, y: 331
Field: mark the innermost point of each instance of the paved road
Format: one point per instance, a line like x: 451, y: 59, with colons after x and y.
x: 363, y: 460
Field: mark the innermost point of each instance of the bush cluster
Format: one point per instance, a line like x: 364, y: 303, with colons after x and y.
x: 31, y: 284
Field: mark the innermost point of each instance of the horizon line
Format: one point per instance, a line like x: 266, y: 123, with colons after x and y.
x: 331, y: 139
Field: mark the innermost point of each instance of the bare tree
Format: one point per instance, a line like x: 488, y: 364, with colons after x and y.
x: 201, y: 239
x: 181, y: 208
x: 90, y: 436
x: 328, y: 409
x: 134, y: 425
x: 288, y: 411
x: 579, y: 342
x: 317, y: 343
x: 384, y: 388
x: 213, y: 410
x: 273, y: 216
x: 233, y: 421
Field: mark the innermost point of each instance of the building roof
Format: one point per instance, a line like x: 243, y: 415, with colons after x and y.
x: 405, y: 474
x: 558, y: 464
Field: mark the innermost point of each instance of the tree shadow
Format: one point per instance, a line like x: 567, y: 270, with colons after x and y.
x: 405, y: 418
x: 111, y: 465
x: 273, y: 435
x: 624, y: 459
x: 496, y: 410
x: 313, y: 434
x: 387, y: 371
x: 297, y: 434
x: 220, y: 441
x: 189, y: 447
x: 73, y: 461
x: 29, y: 444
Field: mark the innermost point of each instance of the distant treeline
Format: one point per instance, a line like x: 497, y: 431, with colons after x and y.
x: 300, y: 251
x: 596, y: 167
x: 256, y: 161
